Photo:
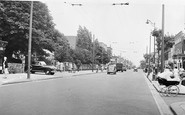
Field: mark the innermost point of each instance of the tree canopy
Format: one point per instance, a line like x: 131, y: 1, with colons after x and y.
x: 14, y: 27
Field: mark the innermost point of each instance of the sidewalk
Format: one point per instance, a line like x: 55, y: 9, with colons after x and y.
x: 177, y: 108
x: 22, y: 77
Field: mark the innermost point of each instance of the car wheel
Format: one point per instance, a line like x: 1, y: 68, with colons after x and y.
x: 52, y: 73
x: 47, y: 72
x: 108, y: 73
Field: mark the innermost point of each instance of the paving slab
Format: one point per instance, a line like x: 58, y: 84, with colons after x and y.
x: 178, y: 108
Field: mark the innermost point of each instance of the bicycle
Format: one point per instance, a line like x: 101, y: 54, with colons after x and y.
x: 170, y: 87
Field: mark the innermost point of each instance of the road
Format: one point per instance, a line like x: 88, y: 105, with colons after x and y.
x: 125, y: 93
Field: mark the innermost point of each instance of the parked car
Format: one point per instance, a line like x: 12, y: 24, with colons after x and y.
x: 41, y: 66
x: 111, y: 68
x: 124, y: 68
x: 135, y: 70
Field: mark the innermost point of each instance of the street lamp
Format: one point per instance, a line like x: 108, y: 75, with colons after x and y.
x: 153, y: 24
x: 29, y: 43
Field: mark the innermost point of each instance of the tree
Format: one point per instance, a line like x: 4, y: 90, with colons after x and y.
x: 14, y: 27
x: 143, y: 64
x: 168, y: 42
x: 63, y: 51
x: 84, y: 38
x: 84, y: 46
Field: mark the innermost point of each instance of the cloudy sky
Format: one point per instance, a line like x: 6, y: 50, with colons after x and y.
x: 122, y: 27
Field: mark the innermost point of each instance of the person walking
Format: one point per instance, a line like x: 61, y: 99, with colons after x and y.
x: 176, y: 74
x: 5, y: 67
x: 97, y: 68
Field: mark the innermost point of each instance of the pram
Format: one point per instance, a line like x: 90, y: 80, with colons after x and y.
x: 170, y: 88
x: 167, y: 83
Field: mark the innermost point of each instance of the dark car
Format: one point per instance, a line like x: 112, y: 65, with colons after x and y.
x: 119, y: 67
x: 41, y: 66
x: 135, y: 70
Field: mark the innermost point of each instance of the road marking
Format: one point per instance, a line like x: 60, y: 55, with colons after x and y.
x: 161, y: 105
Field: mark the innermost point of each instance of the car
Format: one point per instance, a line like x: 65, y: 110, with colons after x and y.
x: 40, y: 66
x: 111, y: 68
x: 124, y: 68
x: 120, y: 67
x: 135, y: 70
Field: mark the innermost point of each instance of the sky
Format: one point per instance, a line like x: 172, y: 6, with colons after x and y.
x: 123, y: 27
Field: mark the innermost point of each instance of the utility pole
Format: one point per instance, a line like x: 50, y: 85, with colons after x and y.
x: 93, y: 53
x: 29, y: 43
x: 162, y: 51
x: 149, y: 68
x: 102, y: 56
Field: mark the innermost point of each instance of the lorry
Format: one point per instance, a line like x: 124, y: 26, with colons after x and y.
x: 120, y: 67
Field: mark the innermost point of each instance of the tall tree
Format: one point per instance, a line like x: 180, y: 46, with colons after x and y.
x: 84, y: 45
x: 84, y: 38
x: 14, y: 26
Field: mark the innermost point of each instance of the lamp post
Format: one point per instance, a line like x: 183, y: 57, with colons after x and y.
x: 153, y: 24
x: 29, y: 43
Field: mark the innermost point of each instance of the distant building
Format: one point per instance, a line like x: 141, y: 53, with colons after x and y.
x: 72, y: 41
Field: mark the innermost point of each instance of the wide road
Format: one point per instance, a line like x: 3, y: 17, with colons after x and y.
x: 125, y: 93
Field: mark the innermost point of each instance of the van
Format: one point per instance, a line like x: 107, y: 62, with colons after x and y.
x: 120, y: 67
x: 111, y: 68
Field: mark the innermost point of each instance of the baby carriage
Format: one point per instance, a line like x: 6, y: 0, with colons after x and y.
x: 170, y: 87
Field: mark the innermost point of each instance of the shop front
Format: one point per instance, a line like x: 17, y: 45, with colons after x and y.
x: 179, y: 50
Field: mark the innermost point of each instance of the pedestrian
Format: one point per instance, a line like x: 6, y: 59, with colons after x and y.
x: 5, y: 67
x: 97, y: 68
x: 176, y: 74
x: 102, y: 68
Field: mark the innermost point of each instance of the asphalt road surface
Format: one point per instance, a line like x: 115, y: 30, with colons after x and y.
x: 125, y: 93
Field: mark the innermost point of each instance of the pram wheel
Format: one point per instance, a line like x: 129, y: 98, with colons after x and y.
x: 173, y: 90
x: 163, y: 91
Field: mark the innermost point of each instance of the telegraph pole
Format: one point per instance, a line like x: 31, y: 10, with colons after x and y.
x: 149, y: 68
x: 93, y: 53
x: 29, y: 43
x: 162, y: 51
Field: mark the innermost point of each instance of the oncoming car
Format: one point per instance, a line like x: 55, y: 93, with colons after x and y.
x: 135, y: 69
x: 111, y: 68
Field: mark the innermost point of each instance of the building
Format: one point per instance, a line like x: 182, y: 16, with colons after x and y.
x: 179, y: 50
x: 72, y: 41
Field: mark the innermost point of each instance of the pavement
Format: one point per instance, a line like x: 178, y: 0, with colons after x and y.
x: 22, y: 77
x: 178, y: 108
